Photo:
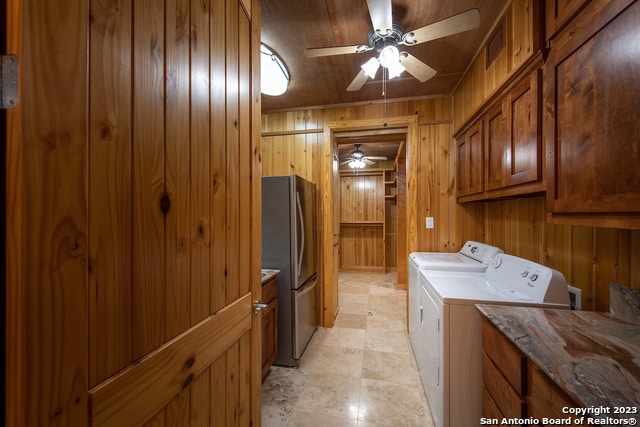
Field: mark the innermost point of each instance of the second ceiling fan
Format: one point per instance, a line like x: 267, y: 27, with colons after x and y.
x: 358, y: 160
x: 385, y: 37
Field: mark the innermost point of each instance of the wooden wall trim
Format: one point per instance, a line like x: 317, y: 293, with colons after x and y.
x: 133, y: 396
x: 292, y: 132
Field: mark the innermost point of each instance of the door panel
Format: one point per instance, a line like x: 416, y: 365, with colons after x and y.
x: 134, y: 219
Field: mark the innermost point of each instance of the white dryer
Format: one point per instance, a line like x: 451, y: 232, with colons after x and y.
x: 451, y: 366
x: 473, y: 256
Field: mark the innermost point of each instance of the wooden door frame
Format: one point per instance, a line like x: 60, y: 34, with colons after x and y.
x: 410, y: 123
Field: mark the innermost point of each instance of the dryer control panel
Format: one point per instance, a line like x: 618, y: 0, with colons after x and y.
x: 518, y: 275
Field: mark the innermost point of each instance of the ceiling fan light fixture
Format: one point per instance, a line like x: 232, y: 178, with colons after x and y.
x: 357, y: 164
x: 274, y: 75
x: 389, y: 56
x: 371, y: 67
x: 395, y: 69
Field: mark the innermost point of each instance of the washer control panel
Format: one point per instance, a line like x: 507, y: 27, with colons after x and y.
x: 479, y: 251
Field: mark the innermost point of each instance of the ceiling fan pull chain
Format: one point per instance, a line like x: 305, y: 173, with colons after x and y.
x: 384, y: 92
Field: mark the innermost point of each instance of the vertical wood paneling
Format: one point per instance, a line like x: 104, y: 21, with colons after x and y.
x: 53, y: 236
x: 110, y: 201
x: 142, y: 148
x: 481, y: 81
x: 232, y: 386
x: 244, y: 123
x: 148, y: 177
x: 426, y: 199
x: 634, y: 256
x: 177, y: 411
x: 582, y: 264
x: 606, y: 265
x: 178, y: 183
x: 199, y: 237
x: 233, y: 154
x: 218, y: 152
x: 218, y: 392
x: 200, y: 400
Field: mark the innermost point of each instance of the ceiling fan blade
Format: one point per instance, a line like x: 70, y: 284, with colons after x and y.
x: 380, y: 11
x: 377, y: 157
x: 358, y: 82
x: 367, y: 161
x: 416, y: 68
x: 455, y: 24
x: 337, y: 50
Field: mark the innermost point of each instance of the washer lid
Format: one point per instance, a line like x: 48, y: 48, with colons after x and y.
x: 461, y: 287
x: 445, y: 261
x: 473, y: 256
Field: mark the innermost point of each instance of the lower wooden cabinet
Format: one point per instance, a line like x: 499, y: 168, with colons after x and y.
x: 269, y: 324
x: 513, y: 386
x: 504, y: 374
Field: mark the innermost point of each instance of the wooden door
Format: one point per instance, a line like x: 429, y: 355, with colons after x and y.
x: 133, y: 221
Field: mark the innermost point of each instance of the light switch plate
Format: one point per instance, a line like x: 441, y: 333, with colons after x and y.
x: 429, y: 222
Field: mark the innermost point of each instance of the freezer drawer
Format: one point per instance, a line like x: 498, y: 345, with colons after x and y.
x: 305, y: 322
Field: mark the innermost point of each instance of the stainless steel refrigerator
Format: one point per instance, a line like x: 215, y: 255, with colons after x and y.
x: 289, y: 245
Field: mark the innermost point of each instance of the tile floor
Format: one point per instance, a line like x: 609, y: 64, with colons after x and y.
x: 361, y: 372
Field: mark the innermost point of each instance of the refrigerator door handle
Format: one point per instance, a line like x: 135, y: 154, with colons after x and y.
x: 299, y: 206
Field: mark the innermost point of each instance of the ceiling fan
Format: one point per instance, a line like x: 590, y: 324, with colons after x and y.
x: 385, y: 37
x: 358, y: 160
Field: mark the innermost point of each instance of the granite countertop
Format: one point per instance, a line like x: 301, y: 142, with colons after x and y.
x: 268, y: 274
x: 594, y: 357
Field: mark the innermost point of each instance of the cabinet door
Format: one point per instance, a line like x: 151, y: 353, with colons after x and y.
x: 497, y: 135
x: 558, y: 13
x: 470, y: 161
x: 593, y: 125
x: 523, y: 149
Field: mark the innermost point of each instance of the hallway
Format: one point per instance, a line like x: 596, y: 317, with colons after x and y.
x: 361, y: 372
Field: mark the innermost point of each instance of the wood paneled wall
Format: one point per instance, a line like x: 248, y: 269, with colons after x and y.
x: 362, y: 222
x: 482, y: 80
x: 590, y: 258
x: 290, y: 143
x: 134, y: 218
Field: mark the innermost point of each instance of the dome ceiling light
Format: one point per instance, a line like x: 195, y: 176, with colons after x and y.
x: 274, y: 75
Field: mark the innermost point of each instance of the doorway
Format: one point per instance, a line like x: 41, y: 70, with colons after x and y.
x: 406, y: 239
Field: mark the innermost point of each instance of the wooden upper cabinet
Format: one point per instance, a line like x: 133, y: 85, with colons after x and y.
x: 523, y: 153
x: 470, y: 161
x: 559, y: 13
x: 593, y: 118
x: 505, y: 160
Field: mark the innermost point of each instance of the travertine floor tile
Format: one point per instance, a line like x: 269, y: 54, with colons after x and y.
x: 359, y: 373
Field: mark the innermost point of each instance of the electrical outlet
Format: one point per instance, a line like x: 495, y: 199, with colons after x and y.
x: 429, y: 222
x: 575, y: 297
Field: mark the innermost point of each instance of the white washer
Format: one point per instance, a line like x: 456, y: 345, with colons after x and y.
x: 451, y: 367
x: 473, y: 256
